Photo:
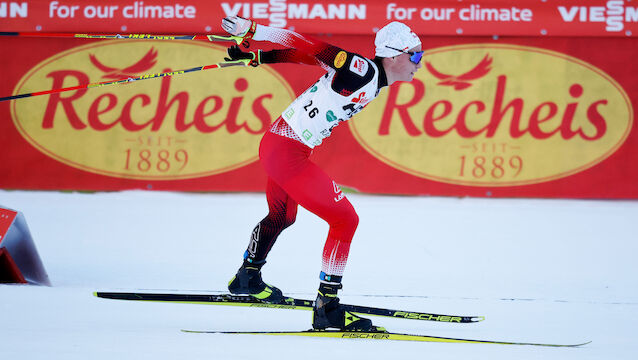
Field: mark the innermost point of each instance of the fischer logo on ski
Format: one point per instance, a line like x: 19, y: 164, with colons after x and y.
x: 429, y: 317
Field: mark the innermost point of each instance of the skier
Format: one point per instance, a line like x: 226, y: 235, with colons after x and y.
x: 350, y: 83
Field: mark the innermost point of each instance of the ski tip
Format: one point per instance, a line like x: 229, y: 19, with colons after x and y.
x: 583, y: 344
x: 478, y: 318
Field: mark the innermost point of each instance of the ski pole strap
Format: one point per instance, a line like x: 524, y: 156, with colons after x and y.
x: 236, y: 39
x: 251, y: 30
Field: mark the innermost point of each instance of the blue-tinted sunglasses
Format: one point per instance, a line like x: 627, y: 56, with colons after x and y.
x: 415, y: 57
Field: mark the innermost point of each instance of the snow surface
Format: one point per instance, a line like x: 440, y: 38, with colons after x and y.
x: 559, y: 271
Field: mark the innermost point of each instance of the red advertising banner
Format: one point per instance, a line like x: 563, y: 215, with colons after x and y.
x: 438, y: 17
x: 506, y: 117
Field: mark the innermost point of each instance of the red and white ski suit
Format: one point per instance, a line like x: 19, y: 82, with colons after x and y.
x: 350, y: 83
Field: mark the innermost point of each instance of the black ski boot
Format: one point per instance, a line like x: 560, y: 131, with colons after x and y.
x: 328, y: 313
x: 248, y: 281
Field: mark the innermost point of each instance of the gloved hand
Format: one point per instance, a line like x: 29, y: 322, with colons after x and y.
x: 235, y: 53
x: 238, y: 26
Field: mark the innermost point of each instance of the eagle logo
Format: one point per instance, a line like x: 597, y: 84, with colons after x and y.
x: 463, y: 81
x: 144, y: 64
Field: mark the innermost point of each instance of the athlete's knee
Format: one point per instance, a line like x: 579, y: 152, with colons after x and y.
x: 346, y: 221
x: 291, y: 215
x: 280, y: 220
x: 354, y: 219
x: 289, y: 220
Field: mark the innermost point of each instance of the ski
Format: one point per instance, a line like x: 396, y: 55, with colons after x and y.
x: 288, y: 303
x: 377, y: 336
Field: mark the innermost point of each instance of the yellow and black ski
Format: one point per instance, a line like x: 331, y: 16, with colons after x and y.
x: 288, y: 303
x: 384, y: 335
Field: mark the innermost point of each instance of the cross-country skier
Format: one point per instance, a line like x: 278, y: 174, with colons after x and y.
x: 350, y: 83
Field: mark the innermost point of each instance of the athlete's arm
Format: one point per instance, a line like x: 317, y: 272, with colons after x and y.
x: 300, y: 49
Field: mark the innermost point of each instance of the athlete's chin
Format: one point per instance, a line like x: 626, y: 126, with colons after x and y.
x: 407, y: 78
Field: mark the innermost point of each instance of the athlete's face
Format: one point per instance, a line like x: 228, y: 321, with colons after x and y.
x: 408, y: 63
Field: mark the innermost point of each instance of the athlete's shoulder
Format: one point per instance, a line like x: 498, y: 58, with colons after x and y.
x: 354, y: 73
x: 353, y: 63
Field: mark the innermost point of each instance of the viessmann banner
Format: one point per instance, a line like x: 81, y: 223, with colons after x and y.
x: 533, y: 117
x: 480, y: 17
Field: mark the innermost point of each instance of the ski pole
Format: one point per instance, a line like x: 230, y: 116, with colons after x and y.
x: 236, y: 39
x: 243, y: 62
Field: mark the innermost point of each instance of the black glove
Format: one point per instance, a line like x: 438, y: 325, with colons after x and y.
x: 235, y: 53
